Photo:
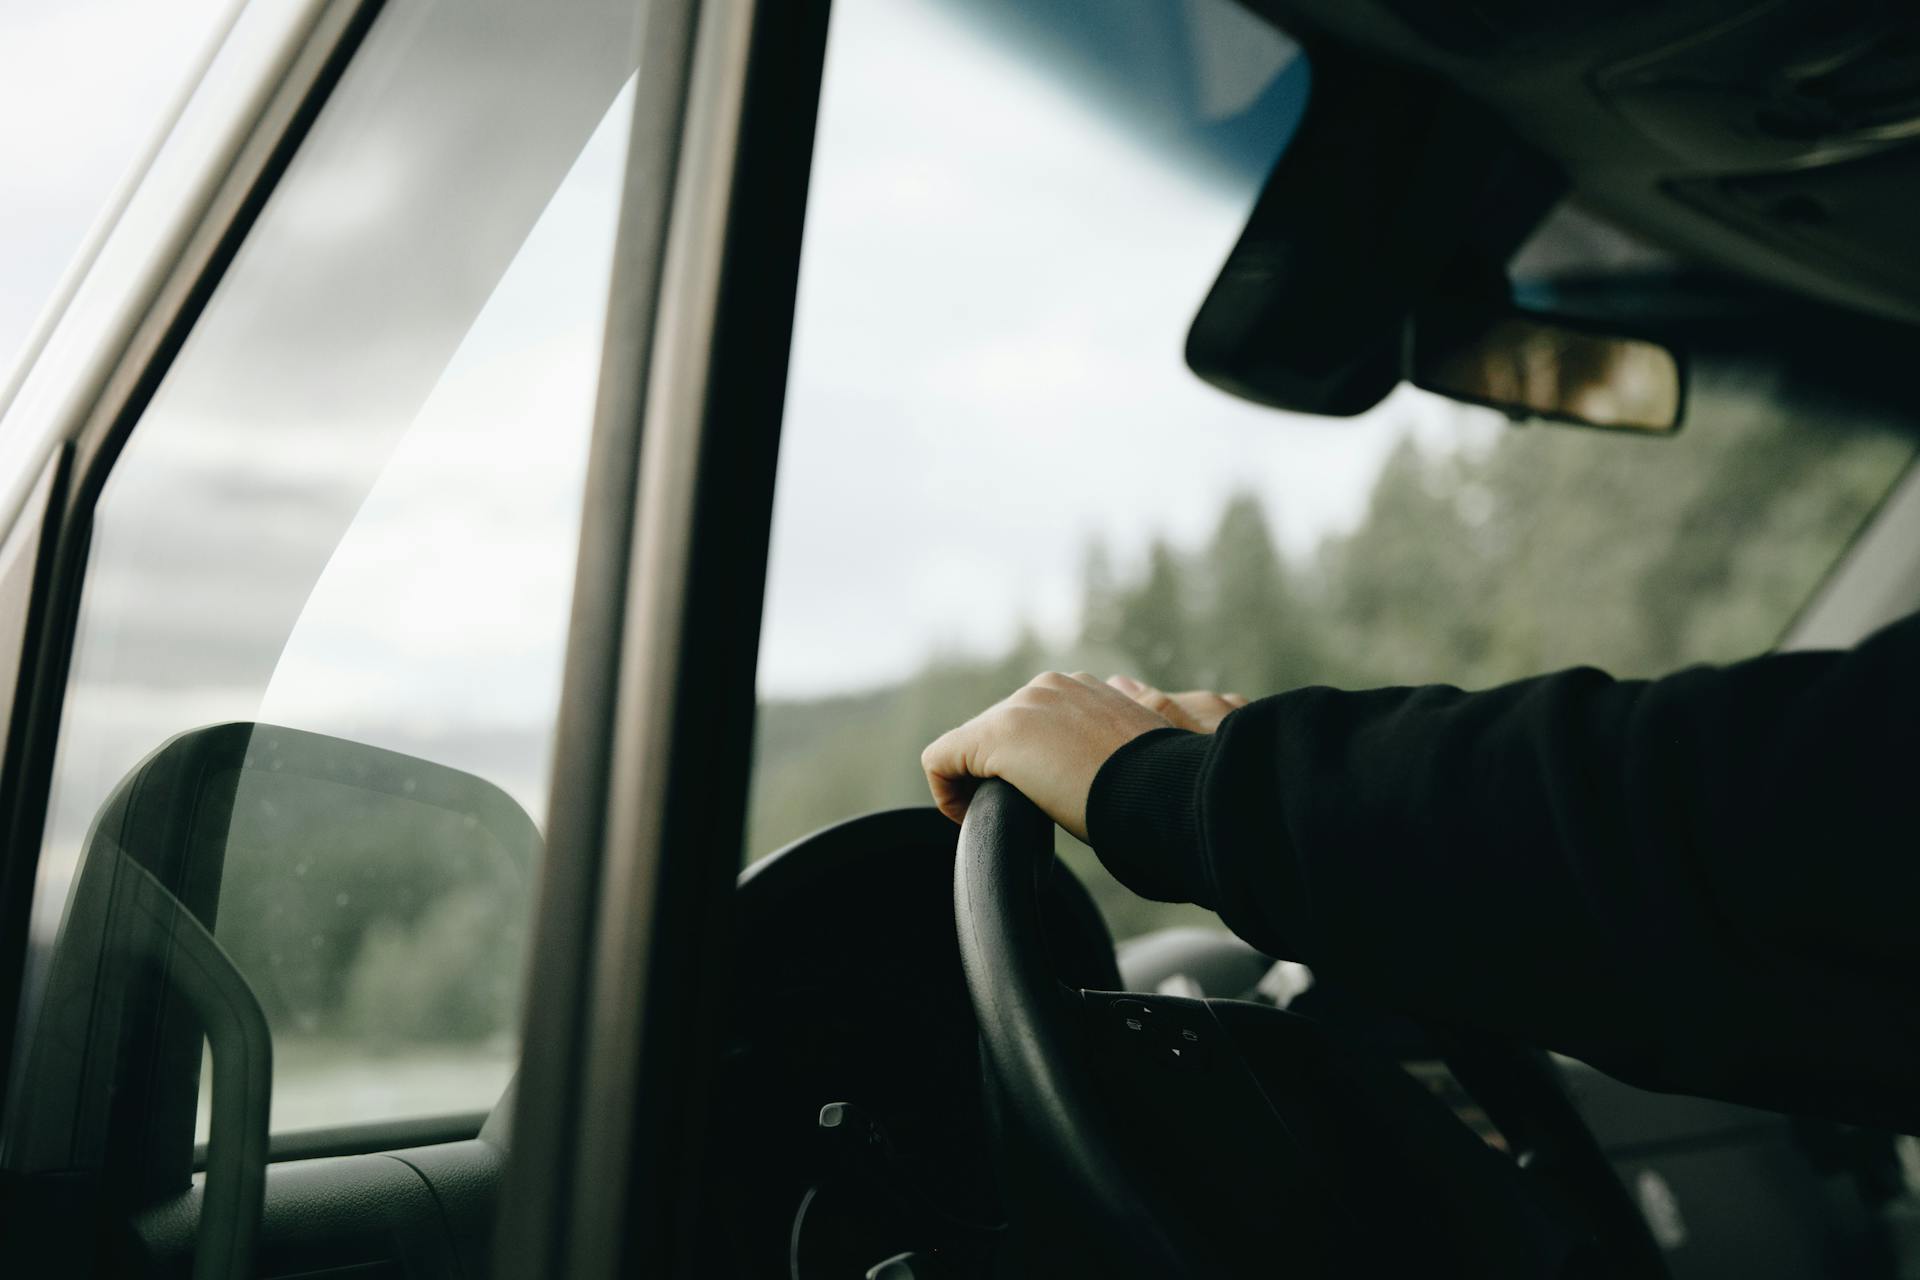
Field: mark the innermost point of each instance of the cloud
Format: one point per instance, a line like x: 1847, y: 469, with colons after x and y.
x: 373, y: 442
x: 987, y: 369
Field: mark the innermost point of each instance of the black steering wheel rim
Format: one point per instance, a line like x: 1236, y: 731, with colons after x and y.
x: 1030, y: 1032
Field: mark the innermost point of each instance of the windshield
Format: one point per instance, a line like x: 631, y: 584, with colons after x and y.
x: 995, y: 460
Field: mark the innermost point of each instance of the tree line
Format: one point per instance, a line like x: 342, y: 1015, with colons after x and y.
x: 1550, y: 548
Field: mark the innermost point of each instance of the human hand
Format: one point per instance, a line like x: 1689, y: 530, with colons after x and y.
x: 1197, y: 709
x: 1050, y: 738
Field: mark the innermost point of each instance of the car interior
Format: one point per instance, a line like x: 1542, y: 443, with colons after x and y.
x: 934, y: 1058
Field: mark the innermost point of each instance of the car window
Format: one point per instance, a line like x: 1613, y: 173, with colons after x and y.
x: 995, y: 461
x: 347, y: 522
x: 83, y: 87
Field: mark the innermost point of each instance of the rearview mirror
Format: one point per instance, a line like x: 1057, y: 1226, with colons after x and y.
x: 1538, y: 366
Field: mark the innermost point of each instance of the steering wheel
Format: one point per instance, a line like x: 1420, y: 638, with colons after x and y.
x: 1214, y: 1137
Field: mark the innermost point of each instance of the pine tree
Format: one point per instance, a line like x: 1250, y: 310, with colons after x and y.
x: 1154, y: 623
x: 1255, y: 633
x: 1099, y: 601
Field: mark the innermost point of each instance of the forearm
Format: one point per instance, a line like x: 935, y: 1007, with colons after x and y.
x: 1402, y: 840
x: 1676, y: 880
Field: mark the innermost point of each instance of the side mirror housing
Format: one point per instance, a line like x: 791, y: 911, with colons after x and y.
x: 274, y: 862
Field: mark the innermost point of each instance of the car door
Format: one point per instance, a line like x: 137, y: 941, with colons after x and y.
x: 249, y: 474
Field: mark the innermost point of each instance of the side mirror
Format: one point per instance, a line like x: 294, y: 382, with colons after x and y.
x: 249, y: 886
x: 1543, y: 367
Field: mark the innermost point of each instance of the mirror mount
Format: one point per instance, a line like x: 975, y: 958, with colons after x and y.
x: 1391, y: 180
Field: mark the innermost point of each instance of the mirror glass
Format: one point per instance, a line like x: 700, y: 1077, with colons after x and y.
x: 377, y: 904
x: 368, y: 909
x: 1529, y: 365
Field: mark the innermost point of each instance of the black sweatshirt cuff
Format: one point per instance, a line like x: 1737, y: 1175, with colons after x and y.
x: 1143, y: 816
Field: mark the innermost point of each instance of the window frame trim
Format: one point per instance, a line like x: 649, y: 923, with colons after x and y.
x: 1875, y: 580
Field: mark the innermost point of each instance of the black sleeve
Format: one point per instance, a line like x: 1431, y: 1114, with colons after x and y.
x: 1708, y: 883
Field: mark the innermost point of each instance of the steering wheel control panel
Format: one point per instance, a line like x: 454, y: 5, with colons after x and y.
x: 1170, y: 1035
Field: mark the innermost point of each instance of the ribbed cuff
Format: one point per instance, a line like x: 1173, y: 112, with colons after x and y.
x: 1143, y: 815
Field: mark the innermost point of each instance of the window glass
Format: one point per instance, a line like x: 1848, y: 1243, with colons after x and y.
x: 350, y: 517
x: 995, y: 460
x: 83, y: 85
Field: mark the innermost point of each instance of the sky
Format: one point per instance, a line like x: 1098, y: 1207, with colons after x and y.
x: 987, y: 373
x: 353, y: 505
x: 85, y: 86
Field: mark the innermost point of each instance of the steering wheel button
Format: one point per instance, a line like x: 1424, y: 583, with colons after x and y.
x: 1187, y: 1048
x: 1134, y: 1016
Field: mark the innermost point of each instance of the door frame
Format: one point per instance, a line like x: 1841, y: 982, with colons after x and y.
x: 630, y: 976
